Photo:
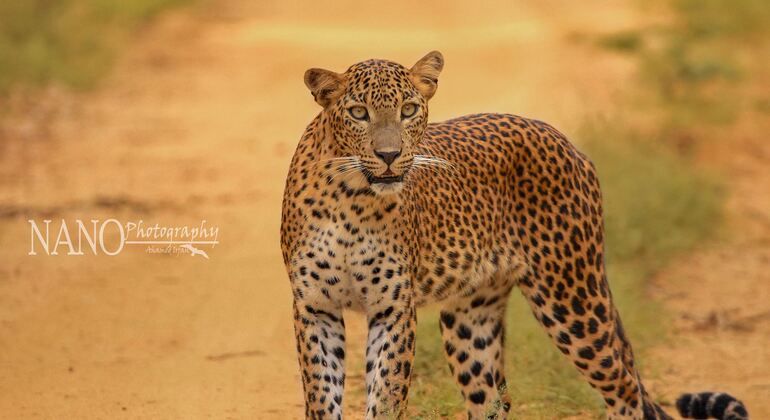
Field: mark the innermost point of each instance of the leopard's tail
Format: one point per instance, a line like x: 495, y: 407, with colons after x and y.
x: 707, y: 405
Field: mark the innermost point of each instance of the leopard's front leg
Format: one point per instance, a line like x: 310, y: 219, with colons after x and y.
x: 320, y: 333
x: 389, y: 357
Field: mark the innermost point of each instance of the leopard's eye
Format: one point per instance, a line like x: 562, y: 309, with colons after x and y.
x: 408, y: 110
x: 359, y: 113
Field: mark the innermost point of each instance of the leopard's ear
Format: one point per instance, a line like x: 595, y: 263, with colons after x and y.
x: 425, y: 73
x: 325, y: 85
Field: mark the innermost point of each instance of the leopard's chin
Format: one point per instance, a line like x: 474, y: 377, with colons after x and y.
x: 389, y: 188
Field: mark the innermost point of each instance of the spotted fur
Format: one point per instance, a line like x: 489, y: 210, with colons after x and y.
x: 384, y: 212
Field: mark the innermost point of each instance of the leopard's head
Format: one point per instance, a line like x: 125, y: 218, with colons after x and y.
x: 377, y: 112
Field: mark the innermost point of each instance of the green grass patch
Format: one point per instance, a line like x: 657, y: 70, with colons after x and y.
x: 627, y: 41
x: 656, y: 205
x: 717, y: 19
x: 71, y: 42
x: 695, y: 66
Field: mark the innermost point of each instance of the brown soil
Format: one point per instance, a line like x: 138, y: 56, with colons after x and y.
x: 719, y: 296
x: 199, y: 120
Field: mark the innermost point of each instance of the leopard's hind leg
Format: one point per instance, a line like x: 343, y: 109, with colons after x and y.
x: 472, y: 328
x: 580, y: 316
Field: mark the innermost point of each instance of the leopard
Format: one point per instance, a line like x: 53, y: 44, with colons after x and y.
x: 384, y: 212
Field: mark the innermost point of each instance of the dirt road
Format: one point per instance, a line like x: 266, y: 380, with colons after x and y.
x: 199, y: 121
x: 719, y: 296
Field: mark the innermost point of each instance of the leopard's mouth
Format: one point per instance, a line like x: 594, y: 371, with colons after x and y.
x: 384, y: 179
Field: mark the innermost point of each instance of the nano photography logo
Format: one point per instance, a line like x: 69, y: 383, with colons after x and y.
x: 111, y: 237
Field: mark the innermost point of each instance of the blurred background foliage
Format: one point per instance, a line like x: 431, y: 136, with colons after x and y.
x: 71, y: 42
x: 695, y: 65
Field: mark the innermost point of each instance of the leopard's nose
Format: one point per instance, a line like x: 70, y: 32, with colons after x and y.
x: 387, y: 157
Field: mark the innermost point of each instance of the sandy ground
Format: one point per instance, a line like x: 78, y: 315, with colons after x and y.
x: 199, y: 121
x: 719, y: 296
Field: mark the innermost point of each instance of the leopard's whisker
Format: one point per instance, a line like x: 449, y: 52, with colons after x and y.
x: 338, y: 165
x: 432, y: 166
x: 335, y: 161
x: 346, y: 172
x: 425, y: 160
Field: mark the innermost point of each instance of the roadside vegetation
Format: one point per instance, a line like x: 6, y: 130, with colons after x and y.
x: 693, y: 75
x: 66, y: 42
